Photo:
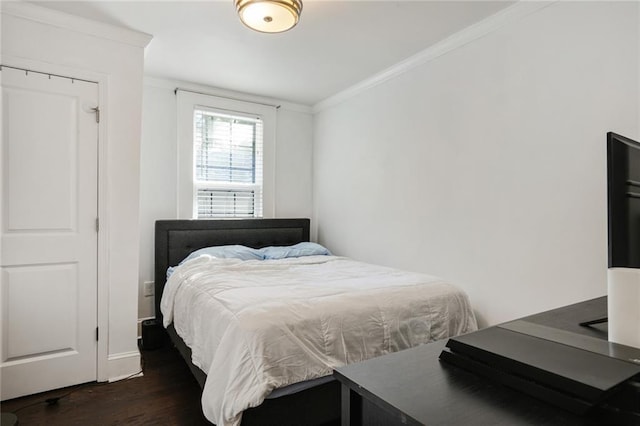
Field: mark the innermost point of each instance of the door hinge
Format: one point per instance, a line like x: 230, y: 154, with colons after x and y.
x: 97, y: 111
x: 97, y: 335
x: 97, y: 224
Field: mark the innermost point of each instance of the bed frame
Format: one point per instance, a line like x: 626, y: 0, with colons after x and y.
x: 175, y: 239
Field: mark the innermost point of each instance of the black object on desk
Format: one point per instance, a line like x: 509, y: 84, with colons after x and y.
x: 571, y: 377
x: 412, y: 387
x: 574, y: 371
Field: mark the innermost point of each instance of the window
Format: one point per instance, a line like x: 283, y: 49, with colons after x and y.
x: 227, y: 165
x: 225, y: 157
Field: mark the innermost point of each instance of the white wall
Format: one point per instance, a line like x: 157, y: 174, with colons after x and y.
x: 486, y: 165
x: 159, y: 165
x: 50, y: 41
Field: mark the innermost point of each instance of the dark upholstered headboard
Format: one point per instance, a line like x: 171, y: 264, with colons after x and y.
x: 176, y: 239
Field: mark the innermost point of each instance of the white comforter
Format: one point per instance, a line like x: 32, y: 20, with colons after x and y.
x: 257, y: 325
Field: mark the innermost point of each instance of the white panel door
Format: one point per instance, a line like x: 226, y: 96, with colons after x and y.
x: 48, y: 252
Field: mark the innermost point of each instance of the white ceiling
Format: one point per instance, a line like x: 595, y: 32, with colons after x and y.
x: 335, y: 45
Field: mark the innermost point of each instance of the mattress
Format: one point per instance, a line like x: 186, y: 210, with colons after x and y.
x: 255, y: 326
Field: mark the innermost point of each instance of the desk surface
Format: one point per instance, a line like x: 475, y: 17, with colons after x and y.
x: 413, y: 384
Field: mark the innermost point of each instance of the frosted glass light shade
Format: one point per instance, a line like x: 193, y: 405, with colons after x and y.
x: 269, y: 16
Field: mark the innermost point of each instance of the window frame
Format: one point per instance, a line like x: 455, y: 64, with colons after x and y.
x: 187, y: 103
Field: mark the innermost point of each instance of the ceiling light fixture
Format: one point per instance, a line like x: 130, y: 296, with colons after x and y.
x: 269, y: 16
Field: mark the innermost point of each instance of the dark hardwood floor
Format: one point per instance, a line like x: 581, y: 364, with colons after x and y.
x: 167, y: 394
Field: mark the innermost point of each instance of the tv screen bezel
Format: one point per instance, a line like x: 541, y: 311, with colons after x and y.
x: 620, y: 239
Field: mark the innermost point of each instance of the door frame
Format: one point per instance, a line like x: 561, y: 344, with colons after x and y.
x: 102, y: 302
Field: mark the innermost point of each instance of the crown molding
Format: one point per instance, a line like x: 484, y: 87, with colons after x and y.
x: 66, y: 21
x: 476, y: 31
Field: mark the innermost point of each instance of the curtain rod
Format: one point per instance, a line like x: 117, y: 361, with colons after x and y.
x: 27, y: 71
x: 175, y: 92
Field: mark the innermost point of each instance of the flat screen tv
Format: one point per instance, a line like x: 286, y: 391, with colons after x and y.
x: 623, y: 206
x: 623, y: 201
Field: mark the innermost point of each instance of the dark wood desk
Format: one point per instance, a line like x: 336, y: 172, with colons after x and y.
x: 413, y: 387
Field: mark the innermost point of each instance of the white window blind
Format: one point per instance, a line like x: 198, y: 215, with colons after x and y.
x: 228, y: 153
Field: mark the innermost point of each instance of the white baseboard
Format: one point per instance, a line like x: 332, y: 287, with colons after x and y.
x: 124, y: 365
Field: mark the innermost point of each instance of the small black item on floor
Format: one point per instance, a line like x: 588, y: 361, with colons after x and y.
x: 153, y: 335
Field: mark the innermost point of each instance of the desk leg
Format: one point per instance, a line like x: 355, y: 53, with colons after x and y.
x: 351, y: 407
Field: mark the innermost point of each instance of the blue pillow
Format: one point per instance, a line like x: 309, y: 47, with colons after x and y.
x: 227, y: 252
x: 298, y: 250
x: 223, y: 252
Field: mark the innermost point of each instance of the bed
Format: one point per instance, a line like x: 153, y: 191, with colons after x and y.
x: 303, y: 391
